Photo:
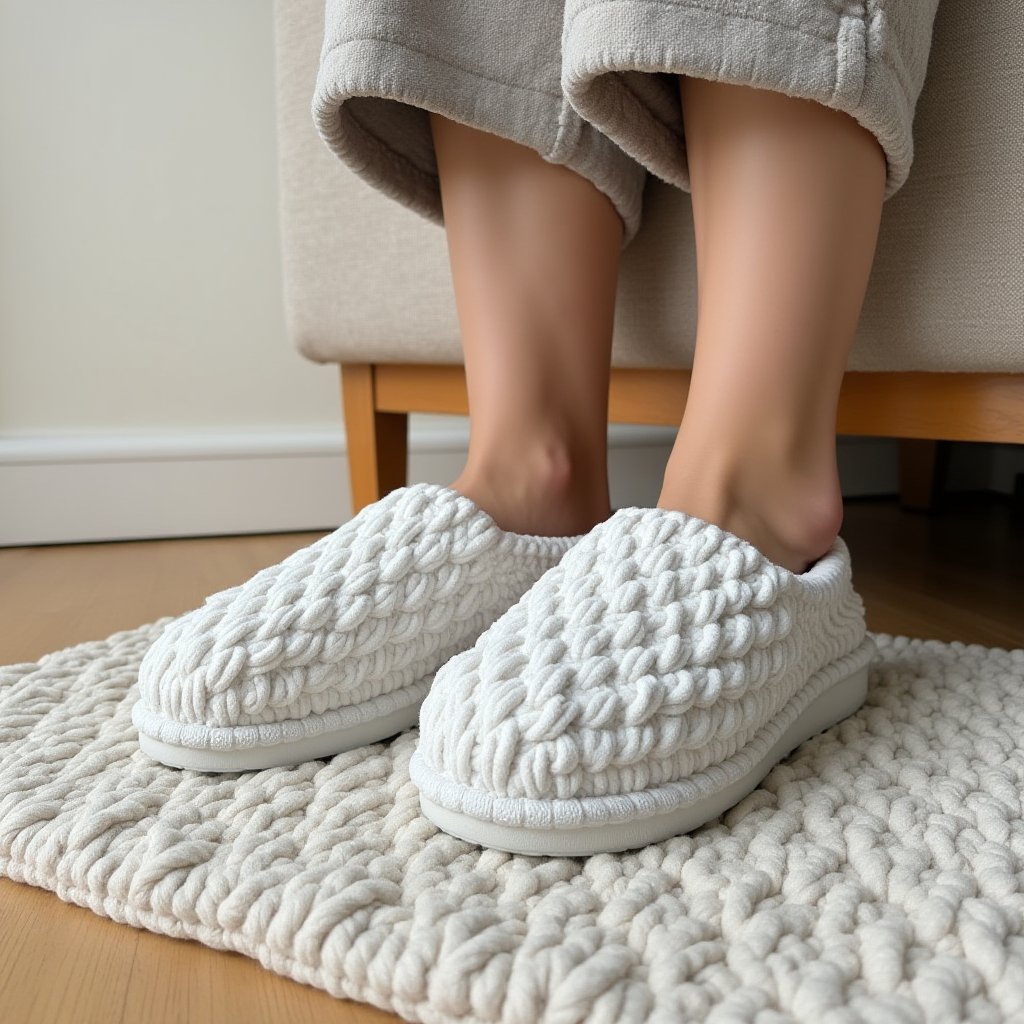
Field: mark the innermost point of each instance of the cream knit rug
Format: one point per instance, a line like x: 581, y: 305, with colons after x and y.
x: 876, y: 875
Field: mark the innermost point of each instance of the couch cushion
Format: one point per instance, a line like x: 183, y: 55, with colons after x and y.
x: 367, y: 280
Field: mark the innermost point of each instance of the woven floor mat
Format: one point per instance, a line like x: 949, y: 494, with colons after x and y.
x: 876, y: 875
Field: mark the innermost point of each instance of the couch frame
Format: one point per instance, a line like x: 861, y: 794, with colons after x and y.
x: 922, y: 409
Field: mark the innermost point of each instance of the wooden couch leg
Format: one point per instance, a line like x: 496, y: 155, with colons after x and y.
x: 922, y: 473
x: 377, y: 441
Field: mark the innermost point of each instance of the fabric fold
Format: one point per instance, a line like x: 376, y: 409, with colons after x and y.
x: 621, y: 59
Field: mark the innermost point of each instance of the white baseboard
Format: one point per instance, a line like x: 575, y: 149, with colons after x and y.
x: 65, y: 488
x: 113, y: 487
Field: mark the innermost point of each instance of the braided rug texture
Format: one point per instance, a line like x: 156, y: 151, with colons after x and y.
x: 875, y: 875
x: 658, y: 647
x: 371, y: 609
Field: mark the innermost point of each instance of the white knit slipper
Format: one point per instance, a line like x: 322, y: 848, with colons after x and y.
x: 336, y: 646
x: 643, y: 685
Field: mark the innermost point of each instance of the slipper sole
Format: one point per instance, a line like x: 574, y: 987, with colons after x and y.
x: 279, y: 744
x: 830, y: 707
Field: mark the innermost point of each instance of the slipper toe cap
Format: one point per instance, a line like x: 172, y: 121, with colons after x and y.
x: 363, y: 610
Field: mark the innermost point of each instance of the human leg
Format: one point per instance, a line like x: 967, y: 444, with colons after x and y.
x: 787, y: 197
x: 534, y: 252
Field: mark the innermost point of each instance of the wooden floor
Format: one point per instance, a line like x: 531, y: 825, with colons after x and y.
x: 955, y: 575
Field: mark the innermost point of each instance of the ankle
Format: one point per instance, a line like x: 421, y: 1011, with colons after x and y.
x: 791, y: 510
x: 543, y: 488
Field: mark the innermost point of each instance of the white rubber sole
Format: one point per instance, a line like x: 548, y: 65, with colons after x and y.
x: 839, y: 701
x: 290, y: 752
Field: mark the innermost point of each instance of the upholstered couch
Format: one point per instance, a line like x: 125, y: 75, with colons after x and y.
x: 939, y: 353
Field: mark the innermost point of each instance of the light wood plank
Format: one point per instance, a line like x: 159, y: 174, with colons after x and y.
x: 934, y: 406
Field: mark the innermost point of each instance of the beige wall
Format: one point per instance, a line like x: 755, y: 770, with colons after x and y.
x: 139, y: 276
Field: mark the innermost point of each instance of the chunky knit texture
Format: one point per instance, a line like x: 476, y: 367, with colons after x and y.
x: 660, y: 646
x: 875, y: 876
x: 363, y: 617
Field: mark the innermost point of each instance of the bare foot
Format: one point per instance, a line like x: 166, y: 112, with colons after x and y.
x: 790, y: 515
